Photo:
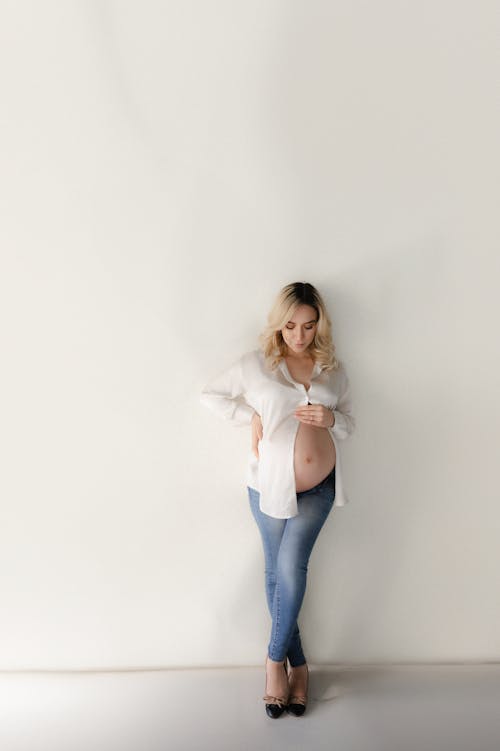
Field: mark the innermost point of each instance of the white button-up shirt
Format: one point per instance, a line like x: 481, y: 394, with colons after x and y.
x: 248, y: 386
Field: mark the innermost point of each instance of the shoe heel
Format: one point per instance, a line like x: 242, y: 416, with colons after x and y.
x: 275, y: 705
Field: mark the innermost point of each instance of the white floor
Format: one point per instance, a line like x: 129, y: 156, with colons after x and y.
x: 424, y: 708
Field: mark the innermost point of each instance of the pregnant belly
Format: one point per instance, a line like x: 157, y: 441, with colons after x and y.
x: 314, y: 456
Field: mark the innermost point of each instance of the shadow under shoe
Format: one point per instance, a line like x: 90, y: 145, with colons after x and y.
x: 275, y: 705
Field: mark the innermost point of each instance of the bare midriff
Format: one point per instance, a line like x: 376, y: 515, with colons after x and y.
x: 314, y: 456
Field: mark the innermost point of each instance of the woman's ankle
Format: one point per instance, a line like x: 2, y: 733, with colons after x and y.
x: 275, y: 662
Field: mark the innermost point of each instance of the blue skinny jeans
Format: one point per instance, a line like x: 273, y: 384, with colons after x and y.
x: 287, y: 547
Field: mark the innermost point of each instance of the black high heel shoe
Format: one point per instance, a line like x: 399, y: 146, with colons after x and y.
x: 275, y: 705
x: 297, y: 703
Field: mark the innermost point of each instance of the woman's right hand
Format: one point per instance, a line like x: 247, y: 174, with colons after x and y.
x: 257, y: 433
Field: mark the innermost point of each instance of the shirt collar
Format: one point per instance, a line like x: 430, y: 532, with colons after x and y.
x: 284, y: 369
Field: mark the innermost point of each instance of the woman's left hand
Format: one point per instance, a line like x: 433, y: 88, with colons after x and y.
x: 315, y: 414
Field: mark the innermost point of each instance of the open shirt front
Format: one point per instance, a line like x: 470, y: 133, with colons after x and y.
x: 248, y: 386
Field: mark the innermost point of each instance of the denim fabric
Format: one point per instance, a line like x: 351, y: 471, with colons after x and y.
x: 287, y: 547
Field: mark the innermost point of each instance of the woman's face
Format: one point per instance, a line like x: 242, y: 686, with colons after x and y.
x: 299, y: 331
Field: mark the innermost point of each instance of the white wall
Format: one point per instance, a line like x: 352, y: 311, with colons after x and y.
x: 166, y: 168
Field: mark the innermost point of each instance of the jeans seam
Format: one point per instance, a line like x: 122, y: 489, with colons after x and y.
x: 277, y: 621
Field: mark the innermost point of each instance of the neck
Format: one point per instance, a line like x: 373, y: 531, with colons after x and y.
x: 305, y: 356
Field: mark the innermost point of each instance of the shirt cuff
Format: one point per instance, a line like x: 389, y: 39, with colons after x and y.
x: 340, y: 427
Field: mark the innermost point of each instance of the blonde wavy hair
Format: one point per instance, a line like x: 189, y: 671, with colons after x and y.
x: 271, y: 340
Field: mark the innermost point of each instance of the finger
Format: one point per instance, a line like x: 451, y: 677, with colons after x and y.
x: 306, y: 420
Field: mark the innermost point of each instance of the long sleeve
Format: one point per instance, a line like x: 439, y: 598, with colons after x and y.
x: 224, y: 396
x: 344, y: 420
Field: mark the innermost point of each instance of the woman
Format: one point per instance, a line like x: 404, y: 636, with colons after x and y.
x: 295, y: 395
